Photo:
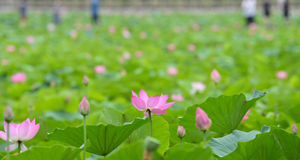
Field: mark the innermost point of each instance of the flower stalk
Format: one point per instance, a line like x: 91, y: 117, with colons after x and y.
x: 149, y: 114
x: 84, y: 136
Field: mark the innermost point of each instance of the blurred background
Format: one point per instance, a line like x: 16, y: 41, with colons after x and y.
x: 161, y: 46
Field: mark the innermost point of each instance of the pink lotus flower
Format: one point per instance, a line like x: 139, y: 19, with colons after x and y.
x: 19, y: 133
x: 180, y: 132
x: 171, y: 47
x: 126, y: 56
x: 155, y: 104
x: 84, y: 107
x: 99, y: 69
x: 112, y: 29
x: 4, y: 62
x: 281, y: 75
x: 8, y: 114
x: 85, y: 80
x: 196, y: 27
x: 203, y: 123
x: 19, y: 77
x: 198, y: 87
x: 73, y: 34
x: 294, y: 129
x: 215, y: 76
x: 30, y: 39
x: 126, y: 33
x: 88, y: 27
x: 10, y: 48
x: 51, y: 27
x: 139, y: 53
x: 172, y: 71
x: 177, y: 97
x: 191, y: 47
x: 246, y: 116
x: 143, y: 35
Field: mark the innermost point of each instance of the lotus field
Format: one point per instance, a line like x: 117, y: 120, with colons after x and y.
x: 155, y: 86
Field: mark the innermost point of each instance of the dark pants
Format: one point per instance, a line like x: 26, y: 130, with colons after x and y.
x: 95, y: 18
x: 249, y: 20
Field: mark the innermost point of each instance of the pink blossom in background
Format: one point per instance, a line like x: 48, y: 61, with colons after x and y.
x: 203, y: 122
x: 123, y: 72
x: 246, y: 116
x: 100, y: 69
x: 171, y: 47
x: 215, y: 76
x: 196, y: 27
x: 30, y: 39
x: 294, y: 129
x: 176, y: 29
x: 172, y: 71
x: 126, y: 56
x: 20, y: 132
x: 73, y: 34
x: 52, y: 83
x: 112, y: 29
x: 156, y: 104
x: 78, y: 26
x: 88, y: 27
x: 51, y: 27
x: 143, y: 35
x: 139, y: 53
x: 126, y: 33
x: 18, y: 77
x: 281, y: 75
x: 215, y: 28
x: 253, y: 26
x: 177, y: 97
x: 10, y: 48
x: 198, y: 87
x: 191, y: 47
x: 22, y: 50
x: 4, y: 62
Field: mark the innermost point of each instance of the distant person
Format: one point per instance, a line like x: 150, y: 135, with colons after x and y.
x: 23, y: 11
x: 56, y: 14
x: 284, y: 6
x: 95, y: 10
x: 267, y: 11
x: 249, y: 8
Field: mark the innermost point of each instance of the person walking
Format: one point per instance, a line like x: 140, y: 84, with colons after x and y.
x: 249, y: 9
x: 95, y: 4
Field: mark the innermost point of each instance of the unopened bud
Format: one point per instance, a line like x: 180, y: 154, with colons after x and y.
x: 203, y: 123
x: 84, y: 107
x: 151, y: 144
x: 8, y: 114
x: 215, y: 76
x: 294, y: 129
x: 180, y: 132
x: 85, y: 80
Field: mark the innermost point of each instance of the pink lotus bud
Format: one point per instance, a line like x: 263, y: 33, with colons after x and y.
x: 10, y: 48
x: 171, y: 47
x: 203, y: 123
x: 99, y: 69
x: 143, y: 35
x: 177, y: 97
x: 246, y: 116
x: 30, y: 39
x: 180, y: 132
x: 84, y: 107
x: 8, y: 114
x: 191, y: 47
x: 18, y: 77
x: 67, y: 99
x: 215, y: 76
x: 112, y: 29
x: 85, y: 80
x: 4, y: 62
x: 294, y: 129
x: 126, y: 33
x: 172, y: 71
x: 281, y: 75
x: 138, y: 53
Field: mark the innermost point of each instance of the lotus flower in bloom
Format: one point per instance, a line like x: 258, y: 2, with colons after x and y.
x: 177, y: 97
x: 180, y: 132
x: 155, y: 104
x: 10, y: 48
x: 203, y: 123
x: 215, y: 76
x: 19, y: 133
x: 112, y: 29
x: 281, y: 75
x: 171, y: 47
x: 172, y: 71
x: 139, y: 53
x: 30, y: 39
x: 191, y: 47
x: 197, y: 87
x: 246, y: 116
x: 19, y: 77
x: 99, y: 69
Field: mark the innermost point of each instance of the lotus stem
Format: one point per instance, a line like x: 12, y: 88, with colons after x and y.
x: 149, y: 114
x: 84, y: 136
x: 7, y: 140
x: 19, y: 146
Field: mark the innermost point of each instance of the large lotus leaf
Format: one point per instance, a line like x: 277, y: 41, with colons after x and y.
x: 104, y: 138
x: 57, y: 152
x: 227, y: 144
x: 225, y: 112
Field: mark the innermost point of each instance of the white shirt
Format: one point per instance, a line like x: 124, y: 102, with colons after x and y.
x: 249, y: 7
